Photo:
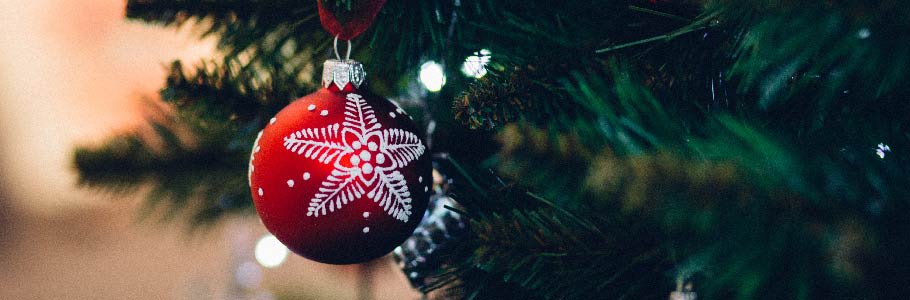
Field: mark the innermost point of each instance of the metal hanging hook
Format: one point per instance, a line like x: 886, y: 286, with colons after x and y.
x: 347, y: 56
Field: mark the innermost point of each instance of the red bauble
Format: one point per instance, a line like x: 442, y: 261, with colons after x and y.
x: 340, y: 176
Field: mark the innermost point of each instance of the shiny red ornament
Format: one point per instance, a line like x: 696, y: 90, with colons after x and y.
x: 340, y: 176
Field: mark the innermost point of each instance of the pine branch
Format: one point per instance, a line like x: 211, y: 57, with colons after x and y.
x: 500, y: 98
x: 538, y: 248
x: 192, y: 172
x: 219, y: 110
x: 232, y: 92
x: 729, y: 196
x: 808, y: 62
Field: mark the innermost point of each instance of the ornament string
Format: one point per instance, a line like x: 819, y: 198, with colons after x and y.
x: 347, y: 56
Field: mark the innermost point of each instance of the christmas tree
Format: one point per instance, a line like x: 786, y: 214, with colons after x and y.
x: 582, y: 149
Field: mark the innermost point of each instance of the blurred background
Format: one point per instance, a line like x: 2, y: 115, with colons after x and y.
x: 73, y: 73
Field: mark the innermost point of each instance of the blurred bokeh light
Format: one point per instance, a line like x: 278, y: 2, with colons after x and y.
x: 432, y: 76
x: 270, y: 252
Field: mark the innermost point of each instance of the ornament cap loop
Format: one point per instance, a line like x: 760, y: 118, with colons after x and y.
x: 346, y: 56
x: 342, y: 72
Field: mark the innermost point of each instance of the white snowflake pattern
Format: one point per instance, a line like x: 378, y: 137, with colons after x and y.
x: 366, y: 161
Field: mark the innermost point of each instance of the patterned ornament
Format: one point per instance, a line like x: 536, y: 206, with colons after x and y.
x: 423, y: 254
x: 340, y: 176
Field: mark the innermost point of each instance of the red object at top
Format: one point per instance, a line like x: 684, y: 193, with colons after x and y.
x: 352, y: 23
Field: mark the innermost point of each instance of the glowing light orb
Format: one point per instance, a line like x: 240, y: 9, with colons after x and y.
x: 882, y: 149
x: 475, y: 65
x: 270, y: 252
x: 432, y: 76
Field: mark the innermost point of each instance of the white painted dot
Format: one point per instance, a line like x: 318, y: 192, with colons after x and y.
x: 365, y: 156
x: 367, y: 168
x: 366, y: 214
x: 372, y: 146
x: 355, y: 160
x: 306, y: 175
x: 290, y: 183
x: 312, y: 107
x: 356, y: 145
x: 324, y: 113
x: 260, y: 192
x: 420, y: 179
x: 256, y: 150
x: 272, y: 121
x: 380, y: 158
x: 366, y: 229
x: 392, y: 114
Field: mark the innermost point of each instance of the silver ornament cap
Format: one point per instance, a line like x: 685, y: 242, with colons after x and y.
x: 341, y: 72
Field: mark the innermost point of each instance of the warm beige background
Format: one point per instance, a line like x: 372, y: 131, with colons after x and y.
x: 73, y: 72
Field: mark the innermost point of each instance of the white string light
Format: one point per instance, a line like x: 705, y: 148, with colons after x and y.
x: 882, y: 149
x: 475, y: 65
x: 432, y: 76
